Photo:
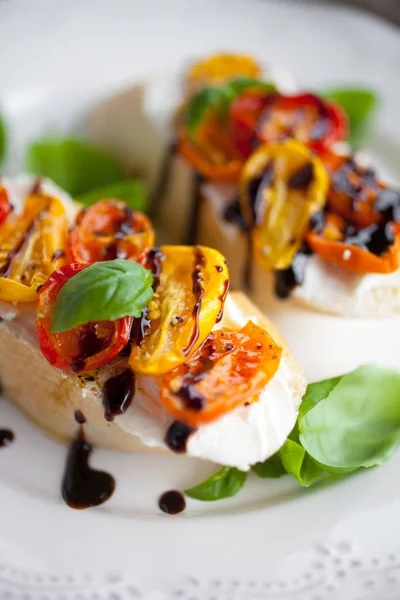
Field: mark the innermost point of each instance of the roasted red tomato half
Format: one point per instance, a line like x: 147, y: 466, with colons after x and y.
x: 229, y: 369
x: 355, y: 192
x: 107, y: 230
x: 5, y: 205
x: 307, y: 118
x: 85, y: 347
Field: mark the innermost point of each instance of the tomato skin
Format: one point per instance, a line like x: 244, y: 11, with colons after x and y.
x: 279, y: 209
x: 331, y: 245
x: 355, y: 192
x: 64, y: 350
x: 190, y: 287
x: 274, y: 117
x: 229, y: 369
x: 107, y: 230
x: 32, y: 246
x: 5, y: 205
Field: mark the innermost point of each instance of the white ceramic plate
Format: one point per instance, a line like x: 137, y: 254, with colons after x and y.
x: 58, y: 59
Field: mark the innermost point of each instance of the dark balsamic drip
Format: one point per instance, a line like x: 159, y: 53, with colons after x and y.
x: 376, y: 238
x: 388, y: 204
x: 218, y: 268
x: 89, y: 345
x: 138, y: 330
x: 57, y: 254
x: 6, y: 437
x: 83, y: 486
x: 198, y: 179
x: 287, y: 279
x: 118, y: 393
x: 172, y: 502
x: 79, y: 417
x: 233, y: 214
x: 37, y: 186
x: 317, y: 221
x: 198, y: 291
x: 161, y: 186
x: 256, y: 192
x: 191, y: 398
x: 154, y: 260
x: 301, y: 179
x: 177, y: 436
x: 222, y: 298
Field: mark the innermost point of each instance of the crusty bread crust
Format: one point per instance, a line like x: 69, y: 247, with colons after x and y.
x: 50, y: 397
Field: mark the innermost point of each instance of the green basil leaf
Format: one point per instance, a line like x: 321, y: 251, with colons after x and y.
x: 3, y: 139
x: 104, y: 291
x: 227, y: 482
x: 130, y: 190
x: 360, y: 105
x: 316, y: 392
x: 220, y: 97
x: 271, y: 468
x: 358, y: 423
x: 208, y: 97
x: 76, y: 166
x: 298, y: 463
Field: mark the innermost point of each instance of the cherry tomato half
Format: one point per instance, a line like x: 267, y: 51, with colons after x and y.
x: 374, y: 249
x: 307, y: 118
x: 107, y: 230
x: 32, y: 246
x: 85, y: 347
x: 220, y: 68
x: 190, y: 287
x: 229, y: 369
x: 5, y: 205
x: 211, y: 151
x: 356, y: 193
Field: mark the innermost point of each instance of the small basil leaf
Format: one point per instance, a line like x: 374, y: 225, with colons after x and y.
x: 298, y: 463
x: 130, y: 190
x: 75, y: 166
x: 360, y: 105
x: 271, y: 468
x: 220, y: 98
x: 3, y: 139
x: 227, y: 482
x: 358, y: 423
x: 316, y: 392
x: 208, y: 97
x: 104, y: 291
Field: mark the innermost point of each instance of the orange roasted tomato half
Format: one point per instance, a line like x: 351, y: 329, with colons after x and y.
x: 373, y: 249
x: 220, y: 68
x: 356, y: 193
x: 229, y: 369
x: 32, y: 246
x: 85, y: 347
x: 107, y: 230
x: 210, y: 151
x: 190, y: 287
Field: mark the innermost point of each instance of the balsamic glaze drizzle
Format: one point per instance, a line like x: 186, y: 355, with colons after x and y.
x: 89, y: 344
x: 82, y: 486
x: 198, y: 291
x: 172, y: 502
x: 177, y: 436
x: 118, y: 393
x: 6, y: 437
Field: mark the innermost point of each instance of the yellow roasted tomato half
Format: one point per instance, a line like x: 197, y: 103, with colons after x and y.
x: 282, y: 185
x: 32, y: 246
x: 190, y: 287
x: 220, y: 68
